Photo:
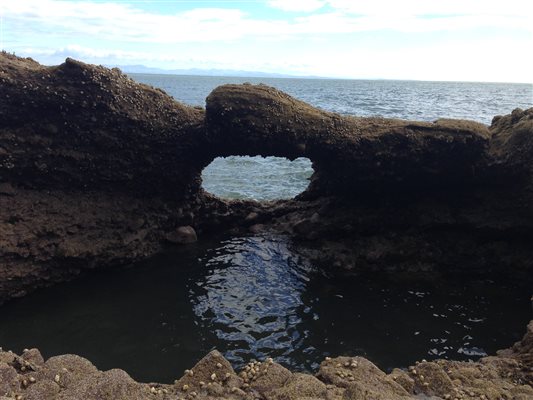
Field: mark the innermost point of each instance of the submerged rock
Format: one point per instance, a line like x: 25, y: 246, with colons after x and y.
x: 182, y: 235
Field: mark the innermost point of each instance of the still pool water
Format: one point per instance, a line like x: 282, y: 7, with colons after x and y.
x: 252, y: 297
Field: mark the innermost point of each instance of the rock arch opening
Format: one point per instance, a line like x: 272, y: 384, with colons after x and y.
x: 257, y: 178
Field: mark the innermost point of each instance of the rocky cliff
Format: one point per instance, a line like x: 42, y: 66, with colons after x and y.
x: 97, y: 170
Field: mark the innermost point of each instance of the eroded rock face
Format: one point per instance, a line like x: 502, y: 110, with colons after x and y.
x: 97, y: 170
x: 79, y: 126
x: 351, y: 156
x: 511, y: 145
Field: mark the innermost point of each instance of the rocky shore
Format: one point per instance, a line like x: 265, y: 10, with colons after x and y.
x: 98, y: 171
x: 507, y: 376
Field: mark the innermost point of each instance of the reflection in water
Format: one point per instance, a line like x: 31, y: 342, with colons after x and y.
x: 252, y: 297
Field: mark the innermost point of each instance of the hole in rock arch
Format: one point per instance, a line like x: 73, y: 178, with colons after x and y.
x: 257, y: 178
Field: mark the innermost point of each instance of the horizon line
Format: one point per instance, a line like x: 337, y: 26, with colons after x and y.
x: 312, y: 77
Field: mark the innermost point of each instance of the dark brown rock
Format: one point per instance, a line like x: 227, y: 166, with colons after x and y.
x: 351, y: 156
x: 66, y: 370
x: 299, y: 386
x: 182, y: 235
x: 79, y: 126
x: 33, y: 356
x: 114, y: 384
x: 273, y: 376
x: 212, y: 369
x: 511, y: 144
x: 360, y: 376
x: 8, y: 379
x: 42, y: 390
x: 96, y: 170
x: 7, y: 189
x: 71, y: 377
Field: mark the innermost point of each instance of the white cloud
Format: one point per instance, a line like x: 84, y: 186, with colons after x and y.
x: 123, y: 22
x: 115, y: 32
x: 297, y: 5
x: 431, y: 7
x: 167, y: 60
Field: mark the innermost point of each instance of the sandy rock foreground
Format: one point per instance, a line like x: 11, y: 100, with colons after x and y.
x: 508, y: 375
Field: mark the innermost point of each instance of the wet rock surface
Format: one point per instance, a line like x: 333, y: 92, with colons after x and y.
x: 97, y: 170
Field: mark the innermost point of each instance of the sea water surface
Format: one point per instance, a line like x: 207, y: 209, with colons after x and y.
x: 252, y: 296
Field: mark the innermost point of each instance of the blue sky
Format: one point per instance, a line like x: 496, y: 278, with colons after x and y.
x: 466, y: 40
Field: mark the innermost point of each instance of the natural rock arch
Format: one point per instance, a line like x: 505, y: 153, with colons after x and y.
x: 351, y: 156
x: 104, y: 168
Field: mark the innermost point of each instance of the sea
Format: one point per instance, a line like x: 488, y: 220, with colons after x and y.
x: 272, y: 178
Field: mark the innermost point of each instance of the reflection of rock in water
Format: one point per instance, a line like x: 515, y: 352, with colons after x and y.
x: 251, y: 296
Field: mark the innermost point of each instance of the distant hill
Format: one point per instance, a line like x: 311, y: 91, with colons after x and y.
x: 142, y: 69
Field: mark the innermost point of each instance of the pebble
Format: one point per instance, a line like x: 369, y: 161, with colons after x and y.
x: 213, y: 376
x: 56, y: 378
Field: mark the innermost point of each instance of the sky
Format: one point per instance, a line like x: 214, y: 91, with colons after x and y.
x: 448, y: 40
